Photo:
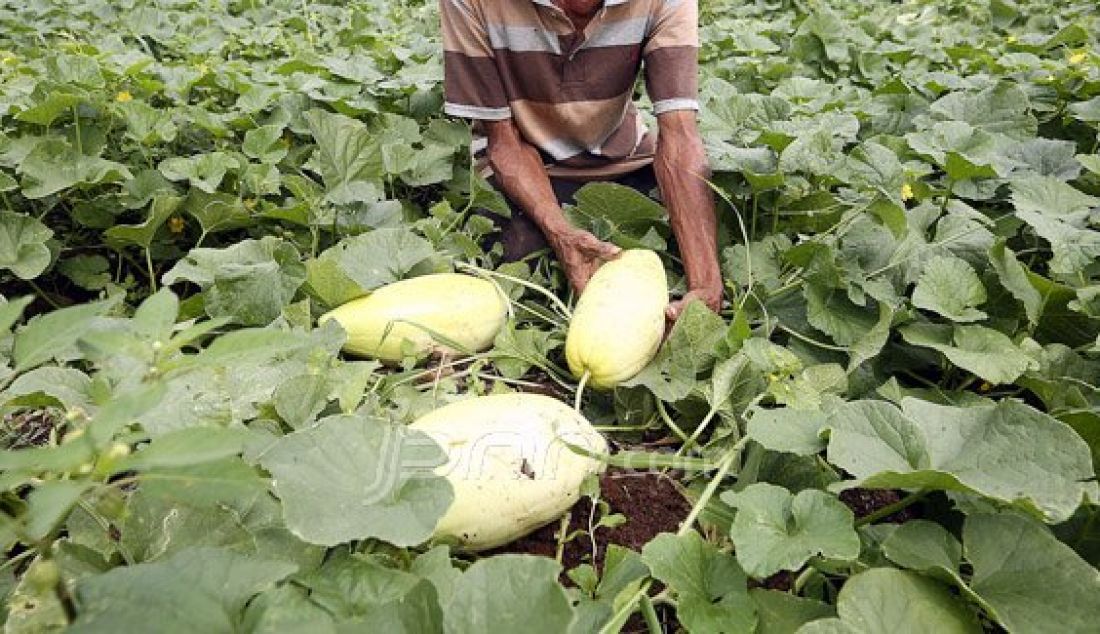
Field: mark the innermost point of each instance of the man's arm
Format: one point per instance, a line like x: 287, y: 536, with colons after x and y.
x: 682, y: 171
x: 522, y: 176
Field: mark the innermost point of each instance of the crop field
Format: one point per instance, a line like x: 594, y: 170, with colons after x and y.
x: 893, y: 424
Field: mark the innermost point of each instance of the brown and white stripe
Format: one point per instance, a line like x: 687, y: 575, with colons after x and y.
x: 569, y: 93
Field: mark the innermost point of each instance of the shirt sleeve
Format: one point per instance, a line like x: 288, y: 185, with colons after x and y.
x: 471, y: 82
x: 671, y: 55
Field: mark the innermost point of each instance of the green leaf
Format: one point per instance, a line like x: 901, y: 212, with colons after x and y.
x: 504, y: 593
x: 1014, y: 278
x: 774, y: 530
x: 347, y: 157
x: 950, y: 287
x: 331, y: 496
x: 197, y: 590
x: 1008, y: 452
x: 710, y: 585
x: 265, y: 144
x: 250, y: 281
x: 1075, y: 247
x: 1090, y: 161
x: 1033, y: 582
x: 783, y: 613
x: 1050, y: 196
x: 202, y: 171
x: 68, y: 387
x: 23, y: 249
x: 11, y: 310
x: 379, y: 257
x: 184, y: 448
x: 375, y: 598
x: 90, y: 272
x: 888, y: 600
x: 142, y: 235
x: 830, y: 311
x: 286, y: 610
x: 216, y: 212
x: 621, y: 215
x: 49, y: 504
x: 208, y: 483
x: 925, y: 546
x: 988, y: 353
x: 53, y: 165
x: 789, y: 430
x: 53, y: 333
x: 1003, y: 108
x: 689, y: 349
x: 147, y: 125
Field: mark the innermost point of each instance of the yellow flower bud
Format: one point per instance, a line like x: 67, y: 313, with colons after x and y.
x: 124, y: 96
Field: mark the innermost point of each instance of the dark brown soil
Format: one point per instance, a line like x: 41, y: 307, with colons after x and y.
x: 863, y: 502
x: 651, y: 503
x: 28, y: 428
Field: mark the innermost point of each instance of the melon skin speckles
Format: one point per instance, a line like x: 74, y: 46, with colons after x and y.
x: 619, y: 320
x: 509, y: 465
x: 401, y: 317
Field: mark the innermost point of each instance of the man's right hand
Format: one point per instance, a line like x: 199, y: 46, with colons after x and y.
x: 580, y: 253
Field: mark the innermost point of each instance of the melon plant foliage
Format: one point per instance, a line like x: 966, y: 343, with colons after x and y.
x: 909, y: 202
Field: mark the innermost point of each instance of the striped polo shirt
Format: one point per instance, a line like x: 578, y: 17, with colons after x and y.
x: 570, y: 93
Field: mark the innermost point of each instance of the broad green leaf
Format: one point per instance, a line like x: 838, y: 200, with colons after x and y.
x: 202, y: 171
x: 265, y: 144
x: 872, y: 343
x: 54, y: 166
x: 216, y: 212
x: 48, y: 505
x: 379, y: 257
x: 925, y: 546
x: 90, y: 272
x: 326, y: 282
x: 783, y: 613
x: 147, y: 125
x: 23, y: 249
x: 53, y: 333
x: 350, y: 477
x: 286, y: 610
x: 1033, y: 582
x: 1008, y: 451
x: 689, y: 349
x: 208, y: 482
x: 251, y: 281
x: 67, y: 387
x: 833, y: 313
x: 1075, y: 246
x: 1002, y: 108
x: 11, y: 310
x: 888, y: 600
x: 789, y: 430
x: 348, y: 158
x: 197, y: 590
x: 710, y: 585
x: 1050, y: 196
x: 141, y: 235
x: 950, y: 287
x: 1087, y: 110
x: 988, y: 353
x: 774, y: 530
x: 621, y: 215
x: 505, y: 593
x: 1014, y: 278
x: 184, y: 448
x: 1090, y: 161
x: 375, y: 598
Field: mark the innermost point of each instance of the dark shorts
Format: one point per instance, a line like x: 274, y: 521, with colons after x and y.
x: 520, y: 236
